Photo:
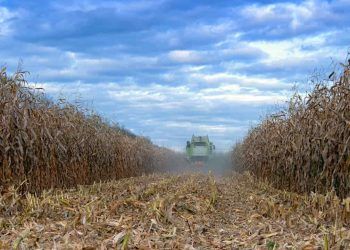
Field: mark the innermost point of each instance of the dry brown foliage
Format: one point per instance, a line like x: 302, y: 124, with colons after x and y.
x: 191, y: 211
x: 44, y: 144
x: 306, y: 147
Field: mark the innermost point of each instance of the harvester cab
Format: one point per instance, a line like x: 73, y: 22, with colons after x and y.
x: 199, y: 150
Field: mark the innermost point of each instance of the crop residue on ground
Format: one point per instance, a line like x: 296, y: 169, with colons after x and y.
x: 164, y: 211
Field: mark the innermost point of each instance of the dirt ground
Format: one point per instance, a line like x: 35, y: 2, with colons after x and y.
x: 187, y: 211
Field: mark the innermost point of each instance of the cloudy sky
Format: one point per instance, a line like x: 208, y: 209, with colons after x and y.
x: 169, y: 68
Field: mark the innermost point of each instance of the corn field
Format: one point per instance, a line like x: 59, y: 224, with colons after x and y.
x: 44, y: 144
x: 305, y: 148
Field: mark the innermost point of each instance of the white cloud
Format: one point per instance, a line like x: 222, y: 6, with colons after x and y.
x: 52, y: 89
x: 209, y: 30
x: 291, y: 53
x: 197, y: 32
x: 121, y: 7
x: 203, y: 128
x: 297, y: 15
x: 75, y: 66
x: 216, y: 55
x: 166, y: 107
x: 283, y: 49
x: 162, y: 97
x: 185, y: 56
x: 5, y: 17
x: 239, y: 80
x: 177, y: 75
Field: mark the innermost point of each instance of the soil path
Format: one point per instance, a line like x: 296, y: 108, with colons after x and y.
x: 194, y: 211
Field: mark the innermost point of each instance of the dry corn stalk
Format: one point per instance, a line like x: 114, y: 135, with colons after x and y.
x: 44, y: 144
x: 305, y: 148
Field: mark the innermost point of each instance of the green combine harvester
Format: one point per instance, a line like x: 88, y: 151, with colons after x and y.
x: 199, y: 150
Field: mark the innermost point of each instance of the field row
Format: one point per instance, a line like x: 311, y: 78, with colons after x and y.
x: 46, y: 144
x: 173, y: 212
x: 305, y: 147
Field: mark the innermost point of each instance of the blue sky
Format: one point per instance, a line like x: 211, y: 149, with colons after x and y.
x: 169, y: 68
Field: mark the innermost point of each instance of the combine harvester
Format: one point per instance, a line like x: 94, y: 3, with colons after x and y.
x: 199, y: 150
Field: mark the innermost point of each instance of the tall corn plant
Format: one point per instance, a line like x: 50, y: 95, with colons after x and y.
x: 307, y: 146
x: 44, y: 144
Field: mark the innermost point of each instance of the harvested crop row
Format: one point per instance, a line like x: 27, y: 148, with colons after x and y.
x: 172, y: 212
x: 47, y: 145
x: 305, y: 148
